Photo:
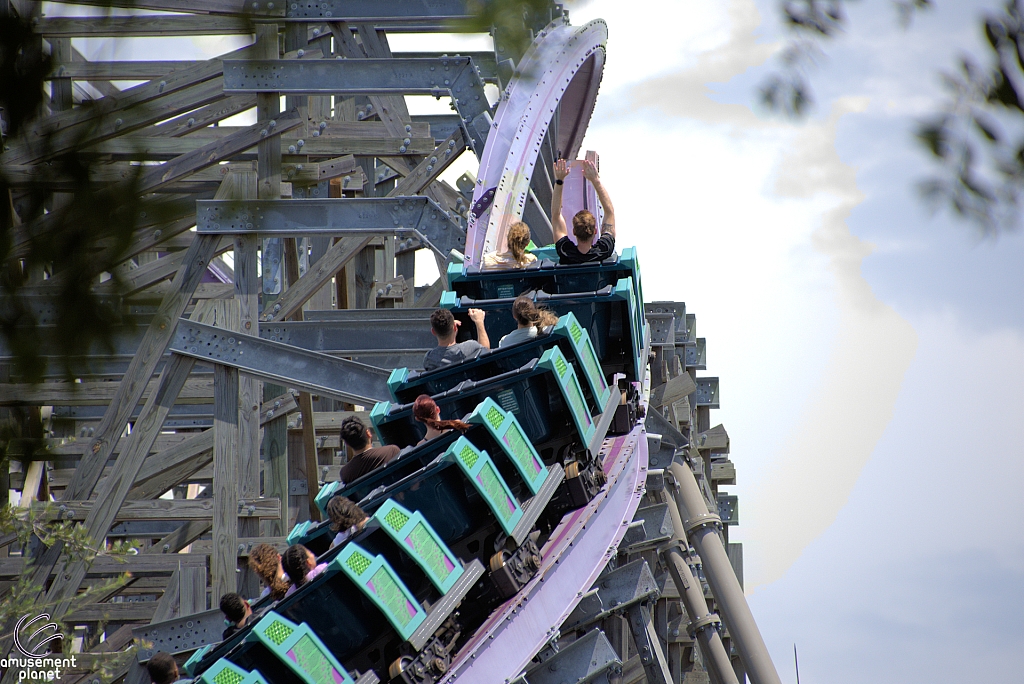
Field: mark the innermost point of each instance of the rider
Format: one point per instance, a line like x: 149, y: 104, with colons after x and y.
x: 584, y: 225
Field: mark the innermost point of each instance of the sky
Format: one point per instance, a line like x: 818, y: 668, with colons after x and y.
x: 871, y: 352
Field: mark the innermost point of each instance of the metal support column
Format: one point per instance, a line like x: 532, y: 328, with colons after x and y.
x: 700, y: 527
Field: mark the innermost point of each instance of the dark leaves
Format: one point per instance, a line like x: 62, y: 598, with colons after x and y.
x: 512, y: 22
x: 978, y: 143
x: 23, y: 67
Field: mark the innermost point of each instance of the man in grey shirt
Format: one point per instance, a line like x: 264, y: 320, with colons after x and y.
x: 448, y: 351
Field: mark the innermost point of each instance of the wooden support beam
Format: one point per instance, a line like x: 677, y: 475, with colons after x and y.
x: 140, y: 370
x: 225, y: 482
x: 187, y: 456
x: 268, y: 168
x: 199, y: 119
x: 231, y: 7
x: 197, y: 390
x: 143, y: 26
x: 165, y: 509
x: 340, y: 253
x: 309, y: 451
x: 179, y: 167
x: 141, y: 565
x: 427, y: 171
x: 129, y: 462
x: 122, y: 70
x: 105, y: 88
x: 149, y: 148
x: 250, y: 389
x: 181, y: 537
x: 431, y: 297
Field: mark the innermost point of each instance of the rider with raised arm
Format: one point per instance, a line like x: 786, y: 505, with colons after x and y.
x: 584, y: 225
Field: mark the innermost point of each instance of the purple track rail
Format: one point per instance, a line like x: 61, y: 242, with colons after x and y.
x: 579, y: 548
x: 556, y: 82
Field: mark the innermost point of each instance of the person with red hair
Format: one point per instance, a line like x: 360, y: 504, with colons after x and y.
x: 426, y: 411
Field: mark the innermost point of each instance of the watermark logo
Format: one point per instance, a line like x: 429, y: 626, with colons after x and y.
x: 22, y: 625
x: 37, y: 664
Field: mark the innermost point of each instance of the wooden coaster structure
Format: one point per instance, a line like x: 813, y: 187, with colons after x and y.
x: 244, y: 443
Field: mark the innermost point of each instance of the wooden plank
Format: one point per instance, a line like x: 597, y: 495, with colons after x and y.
x: 138, y: 279
x: 197, y: 120
x: 122, y: 70
x: 142, y: 565
x: 34, y: 477
x: 141, y: 368
x: 141, y: 26
x: 309, y: 451
x: 115, y: 488
x: 170, y: 477
x: 223, y: 561
x: 250, y: 390
x: 132, y: 611
x: 317, y: 276
x: 371, y: 129
x: 72, y: 123
x: 165, y: 509
x: 197, y: 390
x: 60, y: 86
x: 149, y: 148
x: 192, y: 590
x: 105, y: 89
x: 180, y: 538
x: 179, y: 95
x: 245, y: 545
x: 206, y: 7
x: 431, y: 297
x: 427, y: 171
x: 269, y: 168
x: 179, y: 167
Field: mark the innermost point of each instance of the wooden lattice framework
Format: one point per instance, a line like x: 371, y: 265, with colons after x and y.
x: 243, y: 458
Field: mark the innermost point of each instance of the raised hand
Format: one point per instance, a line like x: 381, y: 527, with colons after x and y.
x: 590, y: 171
x: 561, y: 169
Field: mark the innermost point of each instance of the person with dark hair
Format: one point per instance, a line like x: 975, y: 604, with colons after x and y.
x: 347, y: 518
x: 426, y: 411
x: 162, y: 668
x: 265, y: 561
x: 584, y: 225
x: 444, y: 327
x: 300, y: 565
x: 517, y: 239
x: 531, y: 320
x: 237, y: 611
x: 365, y: 457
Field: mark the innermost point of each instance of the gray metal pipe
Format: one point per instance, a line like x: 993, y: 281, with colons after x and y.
x: 701, y: 527
x: 704, y: 621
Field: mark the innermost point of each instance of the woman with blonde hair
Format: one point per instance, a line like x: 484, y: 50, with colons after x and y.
x: 516, y: 257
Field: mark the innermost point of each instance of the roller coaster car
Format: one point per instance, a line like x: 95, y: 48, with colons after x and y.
x: 568, y: 335
x: 547, y: 275
x: 284, y: 652
x: 608, y: 315
x: 544, y: 394
x: 465, y: 496
x: 389, y: 593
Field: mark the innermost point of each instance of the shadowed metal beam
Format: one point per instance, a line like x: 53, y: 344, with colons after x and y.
x: 455, y: 77
x: 418, y: 217
x: 283, y: 364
